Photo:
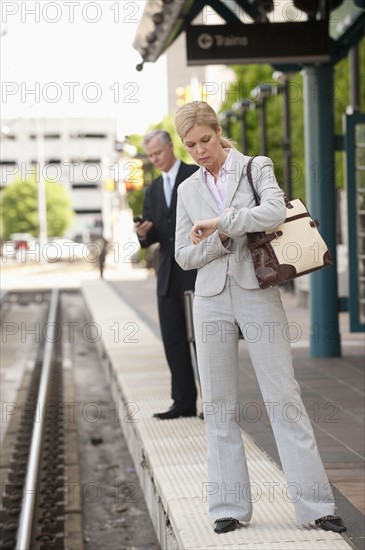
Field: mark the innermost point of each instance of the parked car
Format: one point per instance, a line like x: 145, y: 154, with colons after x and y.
x: 21, y: 243
x: 64, y: 250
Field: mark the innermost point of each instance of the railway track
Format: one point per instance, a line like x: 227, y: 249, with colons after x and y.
x: 35, y: 457
x: 67, y: 479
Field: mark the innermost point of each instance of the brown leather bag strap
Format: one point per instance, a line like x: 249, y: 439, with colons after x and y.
x: 265, y: 239
x: 250, y: 180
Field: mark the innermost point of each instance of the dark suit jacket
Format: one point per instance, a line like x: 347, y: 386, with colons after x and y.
x: 163, y: 230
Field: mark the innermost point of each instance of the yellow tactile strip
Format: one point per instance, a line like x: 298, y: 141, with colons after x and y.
x: 172, y: 454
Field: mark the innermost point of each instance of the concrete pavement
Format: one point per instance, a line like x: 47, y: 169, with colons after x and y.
x: 332, y: 390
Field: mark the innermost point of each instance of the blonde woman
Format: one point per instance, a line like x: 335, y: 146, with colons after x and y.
x: 215, y: 210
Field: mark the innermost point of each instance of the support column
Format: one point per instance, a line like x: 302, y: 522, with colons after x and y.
x: 321, y: 199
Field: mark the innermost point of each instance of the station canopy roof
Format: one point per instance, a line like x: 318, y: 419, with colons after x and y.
x: 252, y: 31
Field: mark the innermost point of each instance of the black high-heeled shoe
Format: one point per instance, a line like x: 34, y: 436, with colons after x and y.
x: 331, y: 523
x: 223, y: 525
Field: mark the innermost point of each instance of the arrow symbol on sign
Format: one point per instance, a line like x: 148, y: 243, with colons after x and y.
x: 205, y: 41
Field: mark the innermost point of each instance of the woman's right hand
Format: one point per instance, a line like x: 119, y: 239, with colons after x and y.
x: 203, y: 229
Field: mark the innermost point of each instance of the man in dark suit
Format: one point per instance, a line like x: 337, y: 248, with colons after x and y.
x: 158, y: 226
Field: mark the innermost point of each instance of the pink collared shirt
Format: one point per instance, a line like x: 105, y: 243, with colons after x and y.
x: 218, y: 189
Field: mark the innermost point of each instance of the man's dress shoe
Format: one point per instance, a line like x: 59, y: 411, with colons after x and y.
x: 331, y: 523
x: 175, y: 412
x: 224, y: 525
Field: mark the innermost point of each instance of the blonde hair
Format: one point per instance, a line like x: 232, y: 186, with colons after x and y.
x: 201, y: 114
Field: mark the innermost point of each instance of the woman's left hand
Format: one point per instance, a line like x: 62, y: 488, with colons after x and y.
x: 203, y: 229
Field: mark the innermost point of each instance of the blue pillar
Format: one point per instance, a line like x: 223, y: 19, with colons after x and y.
x: 321, y: 199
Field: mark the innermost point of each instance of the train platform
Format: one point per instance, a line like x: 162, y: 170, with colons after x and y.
x: 169, y: 456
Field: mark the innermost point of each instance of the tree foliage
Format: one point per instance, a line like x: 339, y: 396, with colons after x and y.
x: 19, y: 208
x: 249, y: 76
x: 135, y: 198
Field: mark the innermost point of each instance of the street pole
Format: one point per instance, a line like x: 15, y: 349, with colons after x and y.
x: 240, y: 108
x: 243, y: 133
x: 354, y: 79
x: 287, y: 140
x: 321, y: 196
x: 42, y: 204
x: 229, y: 122
x: 262, y: 116
x: 284, y: 89
x: 260, y: 94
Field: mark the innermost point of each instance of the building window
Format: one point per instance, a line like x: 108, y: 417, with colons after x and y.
x: 88, y: 136
x: 85, y: 186
x: 85, y: 161
x: 45, y: 136
x: 90, y: 211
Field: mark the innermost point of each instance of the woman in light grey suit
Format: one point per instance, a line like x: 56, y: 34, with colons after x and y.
x: 215, y: 210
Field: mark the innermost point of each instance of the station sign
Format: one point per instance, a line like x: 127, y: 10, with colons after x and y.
x: 231, y: 44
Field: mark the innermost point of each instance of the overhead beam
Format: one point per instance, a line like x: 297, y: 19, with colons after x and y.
x: 163, y: 20
x: 161, y: 23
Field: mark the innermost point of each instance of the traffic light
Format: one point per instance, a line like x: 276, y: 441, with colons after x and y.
x: 183, y: 95
x: 109, y: 184
x: 135, y: 179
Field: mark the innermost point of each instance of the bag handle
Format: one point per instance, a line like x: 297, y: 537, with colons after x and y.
x: 250, y: 181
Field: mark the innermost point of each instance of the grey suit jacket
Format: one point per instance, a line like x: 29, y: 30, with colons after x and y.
x: 210, y: 257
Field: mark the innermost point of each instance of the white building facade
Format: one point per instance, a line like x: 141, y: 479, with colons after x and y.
x: 76, y: 152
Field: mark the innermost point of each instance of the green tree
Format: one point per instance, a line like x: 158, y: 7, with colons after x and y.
x: 135, y: 198
x: 19, y: 208
x: 249, y: 76
x: 168, y: 124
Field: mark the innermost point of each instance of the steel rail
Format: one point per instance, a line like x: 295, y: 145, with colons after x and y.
x: 4, y: 296
x: 31, y: 481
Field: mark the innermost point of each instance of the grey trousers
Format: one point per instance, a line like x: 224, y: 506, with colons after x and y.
x: 262, y: 320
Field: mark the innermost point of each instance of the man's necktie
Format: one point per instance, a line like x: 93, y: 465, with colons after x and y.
x: 168, y: 188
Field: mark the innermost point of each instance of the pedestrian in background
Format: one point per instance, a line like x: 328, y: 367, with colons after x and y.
x: 103, y: 246
x: 158, y: 226
x: 215, y: 210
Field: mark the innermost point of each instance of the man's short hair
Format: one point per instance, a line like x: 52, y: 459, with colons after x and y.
x: 161, y: 134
